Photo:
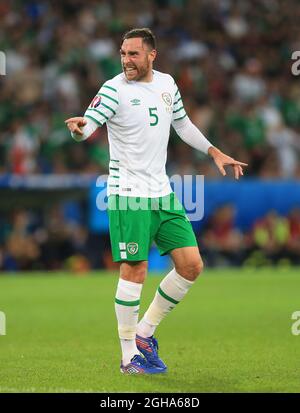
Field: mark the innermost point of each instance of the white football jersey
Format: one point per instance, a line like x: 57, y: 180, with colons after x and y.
x: 138, y: 116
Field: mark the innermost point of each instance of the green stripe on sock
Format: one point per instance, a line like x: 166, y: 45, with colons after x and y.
x: 164, y: 295
x: 127, y: 303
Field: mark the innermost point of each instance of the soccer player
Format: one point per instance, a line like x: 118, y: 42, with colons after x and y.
x: 139, y: 106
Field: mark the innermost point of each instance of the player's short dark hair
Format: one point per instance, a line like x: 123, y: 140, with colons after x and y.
x: 144, y: 33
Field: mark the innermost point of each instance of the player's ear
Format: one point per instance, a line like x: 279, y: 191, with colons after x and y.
x: 152, y: 55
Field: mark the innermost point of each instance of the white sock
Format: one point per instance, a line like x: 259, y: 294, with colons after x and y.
x: 171, y: 291
x: 127, y: 304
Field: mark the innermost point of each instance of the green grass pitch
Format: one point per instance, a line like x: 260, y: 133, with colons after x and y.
x: 232, y: 333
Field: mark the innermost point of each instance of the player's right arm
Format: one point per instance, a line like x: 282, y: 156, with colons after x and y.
x: 102, y: 108
x: 81, y: 128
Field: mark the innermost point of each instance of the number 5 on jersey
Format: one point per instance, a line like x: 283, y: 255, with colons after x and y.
x: 153, y: 115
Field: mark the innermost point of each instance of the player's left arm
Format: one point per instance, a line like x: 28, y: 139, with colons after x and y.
x: 190, y: 134
x: 221, y: 160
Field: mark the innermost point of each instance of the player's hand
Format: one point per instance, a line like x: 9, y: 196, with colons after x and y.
x: 74, y: 124
x: 222, y: 160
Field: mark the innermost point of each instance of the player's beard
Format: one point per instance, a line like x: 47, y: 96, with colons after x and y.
x: 139, y: 73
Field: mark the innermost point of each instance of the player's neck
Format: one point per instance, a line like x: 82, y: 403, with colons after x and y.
x: 148, y: 77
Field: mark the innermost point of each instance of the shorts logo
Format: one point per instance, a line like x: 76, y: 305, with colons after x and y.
x: 167, y: 98
x: 132, y: 248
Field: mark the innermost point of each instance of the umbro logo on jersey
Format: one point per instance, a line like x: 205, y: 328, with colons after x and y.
x: 135, y: 102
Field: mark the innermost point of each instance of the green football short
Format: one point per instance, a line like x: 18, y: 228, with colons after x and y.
x: 135, y: 223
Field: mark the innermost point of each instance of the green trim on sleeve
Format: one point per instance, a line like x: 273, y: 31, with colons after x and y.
x: 95, y: 120
x: 100, y: 113
x: 178, y: 101
x: 108, y: 97
x: 175, y: 111
x: 111, y: 88
x: 108, y: 107
x: 181, y: 117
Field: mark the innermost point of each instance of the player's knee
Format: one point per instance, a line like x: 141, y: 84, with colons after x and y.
x: 196, y: 269
x: 134, y: 272
x: 191, y: 270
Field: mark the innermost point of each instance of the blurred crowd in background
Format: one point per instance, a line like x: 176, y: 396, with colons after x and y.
x: 232, y: 63
x: 50, y: 241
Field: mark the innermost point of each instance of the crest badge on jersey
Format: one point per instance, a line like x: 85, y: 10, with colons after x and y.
x: 167, y: 98
x: 95, y: 102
